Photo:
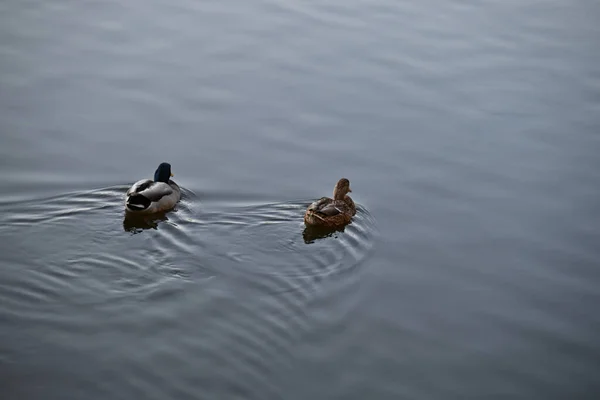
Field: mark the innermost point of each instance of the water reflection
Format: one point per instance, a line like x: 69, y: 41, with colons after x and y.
x: 136, y: 223
x: 313, y: 233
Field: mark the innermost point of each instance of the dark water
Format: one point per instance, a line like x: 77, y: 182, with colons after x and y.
x: 470, y: 133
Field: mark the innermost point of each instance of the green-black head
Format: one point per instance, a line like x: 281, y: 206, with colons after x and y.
x: 163, y: 173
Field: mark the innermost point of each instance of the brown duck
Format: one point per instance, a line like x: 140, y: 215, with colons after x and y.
x: 331, y: 213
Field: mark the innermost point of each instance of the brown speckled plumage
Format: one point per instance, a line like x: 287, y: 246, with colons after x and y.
x: 334, y: 212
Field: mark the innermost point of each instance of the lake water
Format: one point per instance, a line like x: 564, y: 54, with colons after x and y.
x: 469, y: 131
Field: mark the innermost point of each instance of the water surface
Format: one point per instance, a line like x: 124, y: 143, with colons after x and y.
x: 468, y: 130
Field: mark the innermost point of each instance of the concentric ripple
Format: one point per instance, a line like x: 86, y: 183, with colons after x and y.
x: 271, y: 275
x: 76, y: 244
x: 273, y: 238
x: 234, y: 284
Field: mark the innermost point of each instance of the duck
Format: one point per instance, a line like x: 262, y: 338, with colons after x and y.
x: 151, y: 196
x: 332, y: 213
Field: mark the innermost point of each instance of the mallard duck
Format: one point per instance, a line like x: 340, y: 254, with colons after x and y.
x: 149, y: 196
x: 334, y: 212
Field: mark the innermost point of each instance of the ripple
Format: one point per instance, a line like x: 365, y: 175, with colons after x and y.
x: 269, y: 275
x: 30, y: 212
x: 72, y: 244
x: 272, y: 238
x: 266, y: 241
x: 249, y: 273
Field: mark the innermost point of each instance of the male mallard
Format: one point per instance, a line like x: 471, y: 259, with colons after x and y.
x: 334, y: 212
x: 149, y: 196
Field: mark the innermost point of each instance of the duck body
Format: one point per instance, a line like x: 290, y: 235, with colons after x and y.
x: 332, y: 213
x: 151, y: 196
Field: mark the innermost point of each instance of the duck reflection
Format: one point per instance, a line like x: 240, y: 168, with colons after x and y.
x: 314, y: 233
x: 136, y: 223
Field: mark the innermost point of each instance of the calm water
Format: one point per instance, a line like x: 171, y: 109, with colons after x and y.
x: 470, y: 133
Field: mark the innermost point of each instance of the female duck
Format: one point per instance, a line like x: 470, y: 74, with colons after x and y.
x: 332, y: 213
x: 150, y: 196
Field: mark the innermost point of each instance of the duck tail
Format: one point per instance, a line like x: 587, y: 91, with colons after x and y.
x: 137, y: 202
